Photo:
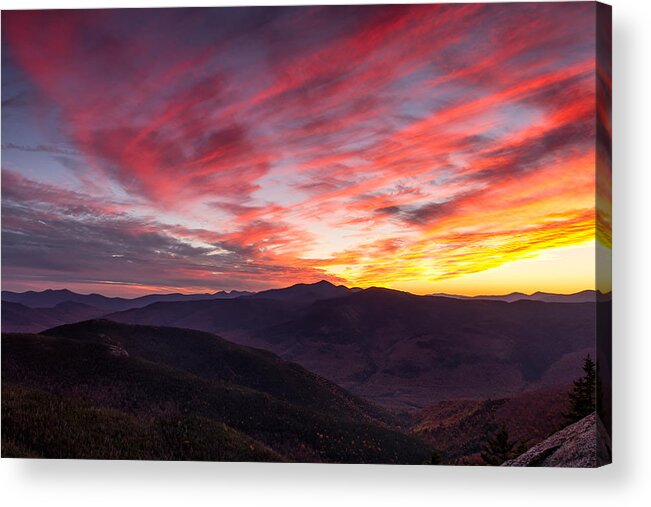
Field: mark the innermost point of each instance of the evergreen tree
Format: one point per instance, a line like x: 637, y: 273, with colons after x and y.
x: 583, y: 396
x: 435, y: 459
x: 499, y: 448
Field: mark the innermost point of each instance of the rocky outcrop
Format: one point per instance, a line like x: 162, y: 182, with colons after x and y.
x: 584, y: 444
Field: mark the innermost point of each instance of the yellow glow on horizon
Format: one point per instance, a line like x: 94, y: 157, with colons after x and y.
x: 559, y: 270
x: 526, y: 234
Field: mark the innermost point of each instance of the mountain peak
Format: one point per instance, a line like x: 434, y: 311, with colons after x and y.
x: 304, y: 292
x: 323, y: 283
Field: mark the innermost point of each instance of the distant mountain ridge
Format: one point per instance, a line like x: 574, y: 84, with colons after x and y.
x: 323, y: 289
x: 584, y: 296
x: 51, y: 297
x: 41, y: 310
x: 18, y: 318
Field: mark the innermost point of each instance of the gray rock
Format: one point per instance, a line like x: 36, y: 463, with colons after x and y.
x: 584, y: 444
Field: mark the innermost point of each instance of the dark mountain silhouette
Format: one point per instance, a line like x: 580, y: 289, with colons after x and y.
x: 143, y: 301
x: 50, y: 298
x: 399, y: 349
x: 23, y: 320
x: 231, y: 316
x: 19, y: 318
x: 303, y: 292
x: 185, y: 395
x: 585, y: 296
x: 234, y: 316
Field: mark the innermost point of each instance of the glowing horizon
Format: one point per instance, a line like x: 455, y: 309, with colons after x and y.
x: 428, y: 148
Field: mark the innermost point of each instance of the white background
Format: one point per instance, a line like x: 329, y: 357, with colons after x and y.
x: 626, y: 482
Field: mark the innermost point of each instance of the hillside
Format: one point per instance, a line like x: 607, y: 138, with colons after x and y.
x: 235, y: 315
x: 213, y: 358
x: 18, y: 318
x: 300, y: 417
x: 228, y: 317
x: 401, y: 349
x: 459, y: 428
x: 37, y: 424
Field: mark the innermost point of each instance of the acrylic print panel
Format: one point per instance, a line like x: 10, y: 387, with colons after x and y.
x: 342, y: 234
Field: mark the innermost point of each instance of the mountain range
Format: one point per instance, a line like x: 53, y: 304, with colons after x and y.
x: 312, y: 372
x: 584, y: 296
x: 393, y: 348
x: 50, y: 298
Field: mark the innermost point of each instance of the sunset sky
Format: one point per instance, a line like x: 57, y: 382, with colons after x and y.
x: 440, y: 148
